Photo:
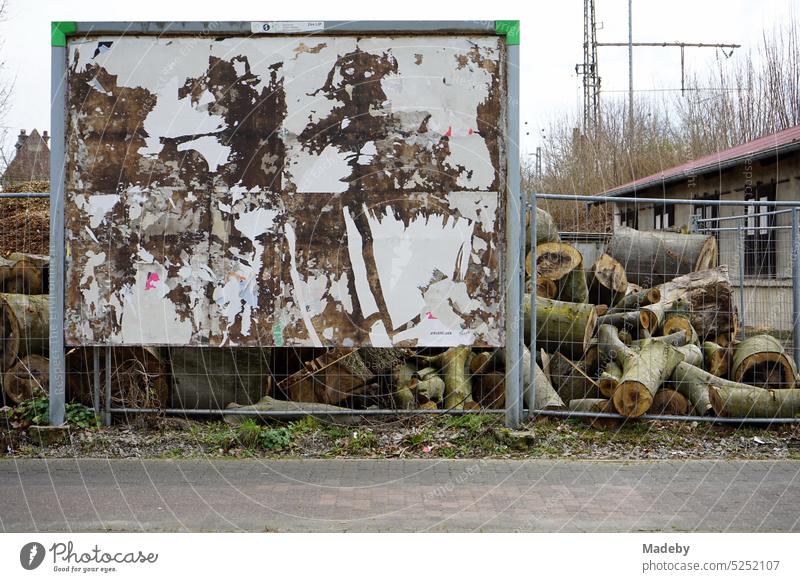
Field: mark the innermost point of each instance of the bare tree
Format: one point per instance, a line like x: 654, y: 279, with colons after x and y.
x: 6, y: 87
x: 736, y: 100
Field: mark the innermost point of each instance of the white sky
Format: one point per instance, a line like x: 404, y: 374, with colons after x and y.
x: 552, y: 38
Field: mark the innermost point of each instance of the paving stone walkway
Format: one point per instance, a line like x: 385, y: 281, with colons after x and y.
x: 398, y: 495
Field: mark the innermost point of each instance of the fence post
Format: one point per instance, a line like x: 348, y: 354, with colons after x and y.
x: 514, y: 208
x: 795, y: 288
x: 532, y: 375
x: 107, y: 403
x: 58, y: 69
x: 740, y: 244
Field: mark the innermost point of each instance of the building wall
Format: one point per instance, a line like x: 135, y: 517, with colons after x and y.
x: 768, y: 302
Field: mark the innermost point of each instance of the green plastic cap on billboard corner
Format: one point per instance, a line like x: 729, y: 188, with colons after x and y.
x: 59, y: 32
x: 509, y: 29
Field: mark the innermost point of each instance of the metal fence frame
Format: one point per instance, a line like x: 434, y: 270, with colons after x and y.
x: 510, y: 29
x: 591, y: 200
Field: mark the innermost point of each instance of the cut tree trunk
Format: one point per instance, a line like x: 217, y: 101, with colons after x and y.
x: 635, y: 322
x: 670, y: 402
x: 761, y: 361
x: 546, y: 288
x: 24, y: 273
x: 640, y: 298
x: 490, y: 390
x: 595, y: 405
x: 546, y: 228
x: 572, y: 287
x: 692, y: 354
x: 707, y: 296
x: 676, y: 339
x: 457, y: 386
x: 268, y: 404
x: 650, y: 258
x: 609, y: 379
x: 24, y: 327
x: 546, y: 397
x: 401, y: 384
x: 428, y: 386
x: 610, y: 346
x: 652, y: 317
x: 693, y: 382
x: 555, y: 260
x: 570, y: 379
x: 607, y: 281
x: 643, y: 373
x: 561, y: 326
x: 717, y: 359
x: 336, y: 376
x: 28, y: 378
x: 753, y: 402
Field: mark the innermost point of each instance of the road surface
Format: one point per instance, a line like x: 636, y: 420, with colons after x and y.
x: 398, y: 495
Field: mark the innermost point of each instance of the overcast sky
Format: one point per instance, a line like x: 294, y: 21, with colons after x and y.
x: 552, y: 37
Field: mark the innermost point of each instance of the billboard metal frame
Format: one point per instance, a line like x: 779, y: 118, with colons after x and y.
x: 61, y: 31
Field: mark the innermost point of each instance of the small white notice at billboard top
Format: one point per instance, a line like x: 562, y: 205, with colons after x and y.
x: 286, y: 27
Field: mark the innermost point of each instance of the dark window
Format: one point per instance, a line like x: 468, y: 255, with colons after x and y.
x: 663, y: 216
x: 709, y: 214
x: 629, y: 217
x: 760, y: 247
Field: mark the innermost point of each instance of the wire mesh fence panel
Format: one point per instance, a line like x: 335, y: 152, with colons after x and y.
x: 659, y: 307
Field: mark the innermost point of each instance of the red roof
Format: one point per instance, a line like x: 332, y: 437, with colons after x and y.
x: 774, y: 144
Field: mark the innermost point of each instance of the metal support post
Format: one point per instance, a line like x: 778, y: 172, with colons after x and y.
x: 96, y: 378
x: 107, y: 403
x: 513, y: 260
x: 795, y: 285
x: 740, y: 241
x: 58, y: 68
x: 532, y: 378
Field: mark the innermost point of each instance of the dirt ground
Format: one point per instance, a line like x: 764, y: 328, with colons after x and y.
x: 474, y: 436
x: 25, y: 222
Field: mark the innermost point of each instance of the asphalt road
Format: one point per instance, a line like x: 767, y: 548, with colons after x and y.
x: 398, y: 495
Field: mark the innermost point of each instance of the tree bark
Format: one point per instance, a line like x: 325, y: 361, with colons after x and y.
x: 27, y: 378
x: 761, y: 361
x: 268, y: 404
x: 546, y: 228
x: 607, y: 281
x: 546, y: 288
x: 24, y: 273
x: 572, y: 287
x: 546, y: 397
x: 670, y: 402
x: 561, y: 326
x: 401, y: 394
x: 457, y: 385
x: 596, y: 405
x: 643, y: 373
x: 640, y: 298
x: 693, y: 383
x: 654, y: 257
x: 490, y: 390
x: 555, y: 260
x: 570, y: 379
x: 428, y: 386
x: 24, y: 327
x: 692, y: 354
x: 609, y: 379
x: 707, y: 296
x: 753, y: 402
x: 717, y: 359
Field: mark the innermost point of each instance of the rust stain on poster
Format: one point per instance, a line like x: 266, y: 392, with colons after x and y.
x: 278, y: 191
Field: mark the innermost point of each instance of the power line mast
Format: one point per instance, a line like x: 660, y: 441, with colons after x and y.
x: 588, y: 69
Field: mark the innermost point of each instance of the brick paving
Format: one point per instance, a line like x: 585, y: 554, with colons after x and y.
x: 398, y: 495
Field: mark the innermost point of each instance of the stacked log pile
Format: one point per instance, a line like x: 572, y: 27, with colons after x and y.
x: 649, y: 328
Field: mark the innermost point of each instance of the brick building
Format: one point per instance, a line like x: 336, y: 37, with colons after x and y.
x: 31, y: 160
